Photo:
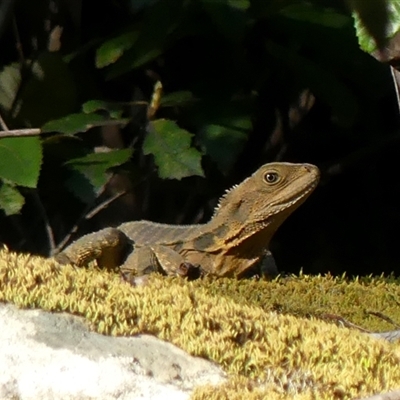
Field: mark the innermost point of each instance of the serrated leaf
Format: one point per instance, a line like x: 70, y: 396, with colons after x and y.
x: 11, y: 200
x: 95, y: 166
x: 74, y: 123
x: 110, y: 51
x: 20, y: 160
x: 375, y: 22
x: 171, y: 147
x: 10, y: 80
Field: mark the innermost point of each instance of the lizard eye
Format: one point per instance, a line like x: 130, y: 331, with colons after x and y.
x: 271, y: 177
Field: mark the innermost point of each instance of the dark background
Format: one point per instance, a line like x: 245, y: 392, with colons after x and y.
x: 268, y: 80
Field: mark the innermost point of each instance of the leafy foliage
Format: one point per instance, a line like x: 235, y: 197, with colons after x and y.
x: 244, y: 82
x: 20, y: 160
x: 170, y: 146
x: 95, y: 166
x: 11, y: 200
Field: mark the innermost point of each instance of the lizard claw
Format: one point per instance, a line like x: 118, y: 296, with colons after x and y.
x: 188, y: 270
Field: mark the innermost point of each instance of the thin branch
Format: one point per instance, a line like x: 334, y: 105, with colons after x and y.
x: 90, y: 212
x: 18, y: 132
x: 87, y: 213
x: 49, y: 231
x: 343, y: 321
x: 396, y: 82
x: 104, y: 204
x: 18, y: 43
x: 384, y: 317
x: 3, y: 124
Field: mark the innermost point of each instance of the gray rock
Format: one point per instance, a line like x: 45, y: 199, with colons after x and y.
x: 54, y: 356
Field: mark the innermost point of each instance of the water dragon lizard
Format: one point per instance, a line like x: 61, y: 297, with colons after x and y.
x: 233, y: 242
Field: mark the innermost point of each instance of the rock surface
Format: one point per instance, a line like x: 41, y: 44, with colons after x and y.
x: 55, y: 356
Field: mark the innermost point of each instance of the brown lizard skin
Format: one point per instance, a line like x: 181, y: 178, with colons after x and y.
x: 233, y: 242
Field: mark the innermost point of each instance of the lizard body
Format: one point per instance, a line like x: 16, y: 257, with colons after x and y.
x: 234, y: 241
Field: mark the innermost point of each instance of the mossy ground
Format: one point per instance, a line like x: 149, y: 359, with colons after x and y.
x: 257, y: 331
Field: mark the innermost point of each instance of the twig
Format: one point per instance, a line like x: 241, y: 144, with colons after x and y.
x: 384, y: 317
x: 3, y: 124
x: 104, y: 204
x: 343, y: 321
x: 18, y: 132
x: 49, y: 231
x: 396, y: 83
x: 389, y: 336
x: 18, y: 43
x: 88, y: 213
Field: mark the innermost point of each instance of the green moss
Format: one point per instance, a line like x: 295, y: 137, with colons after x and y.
x: 323, y: 297
x: 231, y: 322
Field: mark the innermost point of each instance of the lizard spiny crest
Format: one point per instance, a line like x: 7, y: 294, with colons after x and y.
x: 263, y: 201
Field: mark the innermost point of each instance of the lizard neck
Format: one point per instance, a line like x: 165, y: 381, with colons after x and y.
x: 229, y: 231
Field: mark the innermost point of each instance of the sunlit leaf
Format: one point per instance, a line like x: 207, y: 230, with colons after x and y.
x: 171, y: 147
x: 111, y: 50
x: 11, y: 200
x: 95, y: 166
x: 10, y: 80
x: 20, y: 160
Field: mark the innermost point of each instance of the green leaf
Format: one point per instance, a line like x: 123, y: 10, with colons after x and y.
x: 95, y: 166
x: 223, y: 143
x: 222, y: 127
x: 170, y: 146
x: 177, y: 99
x: 229, y: 17
x: 11, y: 200
x: 113, y: 109
x: 239, y: 4
x: 20, y: 160
x: 81, y: 187
x: 159, y: 21
x: 110, y: 51
x: 74, y: 123
x: 48, y: 93
x: 375, y: 22
x: 10, y: 80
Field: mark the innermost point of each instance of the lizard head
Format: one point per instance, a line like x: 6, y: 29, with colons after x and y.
x: 264, y: 200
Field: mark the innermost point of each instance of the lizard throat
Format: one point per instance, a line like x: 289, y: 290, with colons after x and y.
x: 258, y: 231
x: 292, y: 201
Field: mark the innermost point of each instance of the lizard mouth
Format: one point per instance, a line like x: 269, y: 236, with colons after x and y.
x: 294, y: 199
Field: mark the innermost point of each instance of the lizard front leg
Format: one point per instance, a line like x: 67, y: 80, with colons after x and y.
x: 108, y: 247
x: 268, y: 266
x: 156, y: 258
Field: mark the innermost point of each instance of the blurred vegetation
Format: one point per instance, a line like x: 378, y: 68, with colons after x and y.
x: 132, y: 109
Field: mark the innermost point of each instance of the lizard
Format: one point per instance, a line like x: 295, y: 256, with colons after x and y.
x: 233, y: 242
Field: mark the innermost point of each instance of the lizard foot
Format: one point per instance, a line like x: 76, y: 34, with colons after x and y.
x: 188, y: 270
